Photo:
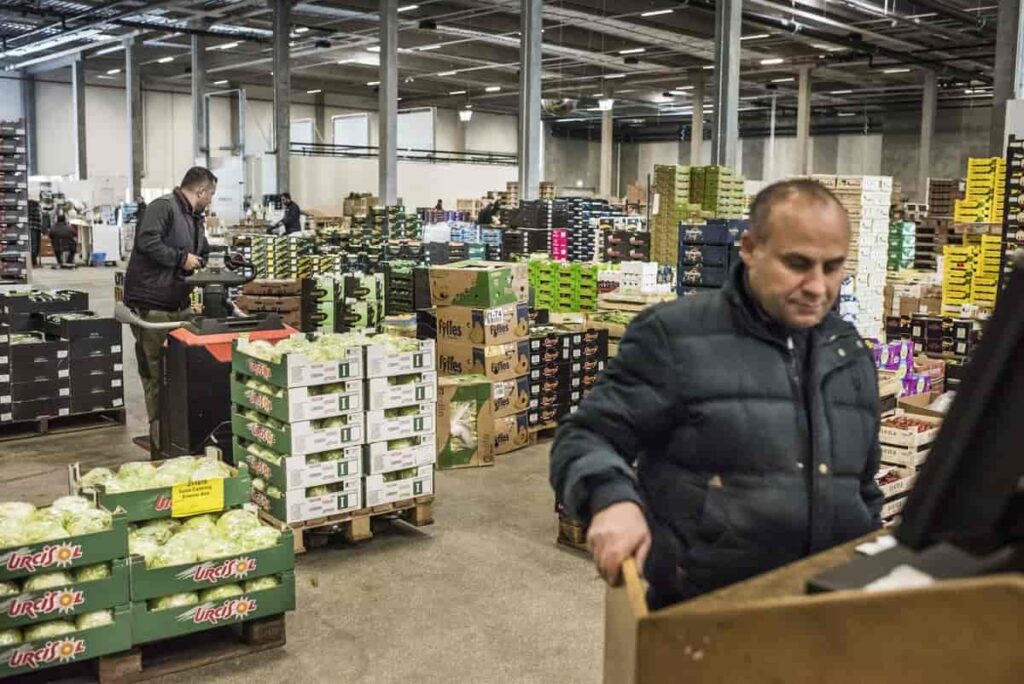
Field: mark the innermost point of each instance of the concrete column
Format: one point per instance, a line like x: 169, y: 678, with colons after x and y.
x: 530, y: 138
x: 697, y: 118
x: 320, y: 118
x: 1009, y: 69
x: 28, y: 106
x: 282, y: 91
x: 607, y: 143
x: 235, y: 123
x: 770, y: 176
x: 387, y: 119
x: 133, y: 103
x: 726, y: 134
x: 803, y: 121
x: 929, y: 102
x: 78, y: 116
x: 200, y: 151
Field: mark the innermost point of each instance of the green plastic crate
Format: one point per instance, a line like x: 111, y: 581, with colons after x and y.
x: 68, y: 600
x: 62, y: 554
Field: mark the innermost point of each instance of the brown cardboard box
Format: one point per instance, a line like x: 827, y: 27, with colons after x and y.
x: 511, y: 433
x: 465, y: 423
x: 481, y: 284
x: 510, y: 396
x: 496, y: 325
x: 496, y: 361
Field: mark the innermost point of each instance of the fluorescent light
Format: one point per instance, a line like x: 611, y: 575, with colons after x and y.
x: 847, y: 114
x: 457, y: 92
x: 968, y: 91
x: 788, y: 79
x: 447, y: 73
x: 226, y: 46
x: 611, y: 76
x: 465, y: 115
x: 839, y: 92
x: 756, y: 36
x: 569, y: 120
x: 708, y: 67
x: 427, y: 48
x: 408, y: 8
x: 632, y: 51
x: 688, y: 87
x: 605, y: 104
x: 373, y: 48
x: 314, y: 92
x: 111, y: 72
x: 224, y: 82
x: 165, y: 60
x: 895, y: 71
x: 655, y: 13
x: 107, y: 51
x: 772, y: 60
x: 626, y: 90
x: 827, y: 48
x: 373, y: 83
x: 492, y: 89
x: 301, y: 29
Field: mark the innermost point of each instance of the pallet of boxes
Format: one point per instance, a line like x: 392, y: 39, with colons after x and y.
x: 483, y: 351
x: 337, y: 429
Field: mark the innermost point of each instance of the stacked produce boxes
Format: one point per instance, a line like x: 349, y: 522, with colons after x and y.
x: 1013, y: 222
x: 706, y: 253
x: 622, y: 244
x: 906, y: 439
x: 95, y: 358
x: 64, y: 578
x: 867, y: 203
x: 465, y: 419
x: 957, y: 271
x: 931, y: 235
x: 14, y: 232
x: 200, y: 557
x: 561, y: 287
x: 672, y: 188
x: 902, y: 245
x: 986, y: 192
x: 723, y: 193
x: 564, y: 366
x: 987, y: 265
x: 942, y: 196
x: 482, y: 329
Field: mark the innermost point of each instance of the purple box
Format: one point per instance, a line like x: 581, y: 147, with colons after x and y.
x: 916, y: 383
x: 895, y: 355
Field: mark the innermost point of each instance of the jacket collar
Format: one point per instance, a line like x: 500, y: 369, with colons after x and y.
x: 186, y: 206
x: 750, y: 317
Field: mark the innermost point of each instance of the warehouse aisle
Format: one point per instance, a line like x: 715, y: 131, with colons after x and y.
x: 482, y: 596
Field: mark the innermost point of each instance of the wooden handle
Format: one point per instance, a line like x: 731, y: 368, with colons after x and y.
x: 634, y: 587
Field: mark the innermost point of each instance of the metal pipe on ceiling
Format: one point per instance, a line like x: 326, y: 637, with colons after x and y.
x: 975, y: 21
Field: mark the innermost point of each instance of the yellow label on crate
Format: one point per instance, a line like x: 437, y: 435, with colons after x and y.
x: 194, y: 498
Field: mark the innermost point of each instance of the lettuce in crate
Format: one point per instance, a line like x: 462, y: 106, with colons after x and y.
x: 10, y: 637
x: 183, y: 600
x: 48, y: 630
x: 98, y: 618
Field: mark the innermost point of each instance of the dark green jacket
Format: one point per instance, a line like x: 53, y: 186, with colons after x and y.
x: 744, y: 462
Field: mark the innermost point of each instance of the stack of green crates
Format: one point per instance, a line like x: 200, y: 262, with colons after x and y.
x: 723, y: 192
x: 902, y: 245
x: 562, y: 287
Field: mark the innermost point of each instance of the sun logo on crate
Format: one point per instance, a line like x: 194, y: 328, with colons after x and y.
x: 260, y: 370
x: 259, y: 401
x: 262, y: 433
x: 63, y: 601
x: 62, y: 650
x: 213, y: 572
x: 231, y: 609
x: 258, y: 466
x: 25, y: 559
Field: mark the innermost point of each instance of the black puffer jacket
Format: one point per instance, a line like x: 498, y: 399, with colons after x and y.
x: 169, y: 232
x: 747, y: 458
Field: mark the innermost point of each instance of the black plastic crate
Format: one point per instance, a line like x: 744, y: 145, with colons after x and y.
x: 92, y: 328
x: 107, y: 364
x: 97, y: 401
x: 34, y: 410
x: 33, y: 390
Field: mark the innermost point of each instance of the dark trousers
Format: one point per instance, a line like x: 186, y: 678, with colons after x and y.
x: 64, y: 247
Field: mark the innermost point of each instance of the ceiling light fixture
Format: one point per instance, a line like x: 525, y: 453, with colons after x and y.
x: 772, y: 60
x: 314, y: 92
x: 457, y: 92
x: 788, y: 79
x: 827, y: 48
x: 845, y: 114
x: 111, y: 72
x: 222, y: 82
x: 839, y: 92
x: 756, y: 36
x: 632, y: 51
x: 165, y: 60
x: 408, y: 8
x: 373, y: 48
x: 655, y: 13
x: 611, y: 76
x: 302, y: 29
x: 227, y: 46
x: 465, y: 115
x: 709, y: 67
x: 895, y: 71
x: 428, y: 48
x: 447, y: 73
x: 373, y: 83
x: 492, y: 89
x: 605, y: 104
x: 109, y: 50
x: 686, y: 87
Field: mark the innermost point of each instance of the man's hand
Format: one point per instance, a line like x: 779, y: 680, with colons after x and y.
x: 192, y: 262
x: 615, y: 534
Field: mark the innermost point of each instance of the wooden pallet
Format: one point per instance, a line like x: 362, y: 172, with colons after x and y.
x: 355, y: 526
x: 571, y: 534
x: 53, y: 425
x: 178, y: 654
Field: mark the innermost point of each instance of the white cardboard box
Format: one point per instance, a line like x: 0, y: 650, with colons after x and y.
x: 894, y: 507
x: 382, y: 362
x: 296, y: 506
x: 379, y: 492
x: 908, y: 476
x: 384, y: 393
x: 381, y: 426
x: 295, y: 472
x: 380, y: 459
x: 909, y: 457
x: 908, y: 438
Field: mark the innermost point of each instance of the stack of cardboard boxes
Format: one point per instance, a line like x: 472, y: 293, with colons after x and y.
x: 986, y: 192
x: 942, y: 196
x: 672, y: 189
x: 902, y: 245
x: 482, y: 331
x: 1013, y: 225
x: 562, y: 287
x: 719, y: 190
x: 906, y: 438
x: 564, y: 366
x: 706, y: 252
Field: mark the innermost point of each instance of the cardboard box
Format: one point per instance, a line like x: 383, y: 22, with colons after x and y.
x: 299, y: 439
x: 496, y: 362
x: 511, y: 432
x: 300, y: 403
x: 907, y: 477
x: 296, y: 370
x: 400, y: 422
x: 305, y: 503
x: 382, y: 361
x: 896, y: 436
x: 293, y: 472
x: 510, y: 396
x: 894, y: 507
x: 481, y: 284
x: 496, y: 325
x: 401, y: 390
x: 385, y: 488
x: 465, y: 422
x: 392, y: 455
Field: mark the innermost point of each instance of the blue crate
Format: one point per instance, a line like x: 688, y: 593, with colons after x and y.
x: 708, y: 255
x: 711, y: 233
x: 707, y: 276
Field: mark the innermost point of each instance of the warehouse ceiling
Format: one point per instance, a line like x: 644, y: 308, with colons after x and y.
x: 868, y: 57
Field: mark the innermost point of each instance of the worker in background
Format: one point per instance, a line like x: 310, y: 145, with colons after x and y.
x: 439, y: 206
x: 736, y: 431
x: 291, y: 221
x: 170, y: 244
x: 488, y: 213
x: 62, y: 238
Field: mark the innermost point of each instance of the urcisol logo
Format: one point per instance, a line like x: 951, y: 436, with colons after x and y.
x: 260, y: 370
x: 211, y: 614
x: 62, y: 601
x: 62, y: 650
x: 60, y: 555
x: 262, y: 433
x: 260, y: 401
x: 215, y: 571
x: 259, y: 466
x: 162, y: 503
x: 260, y: 499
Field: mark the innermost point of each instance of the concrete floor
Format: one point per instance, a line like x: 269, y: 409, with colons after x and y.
x: 483, y: 595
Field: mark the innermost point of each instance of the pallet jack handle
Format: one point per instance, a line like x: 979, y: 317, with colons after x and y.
x: 125, y: 315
